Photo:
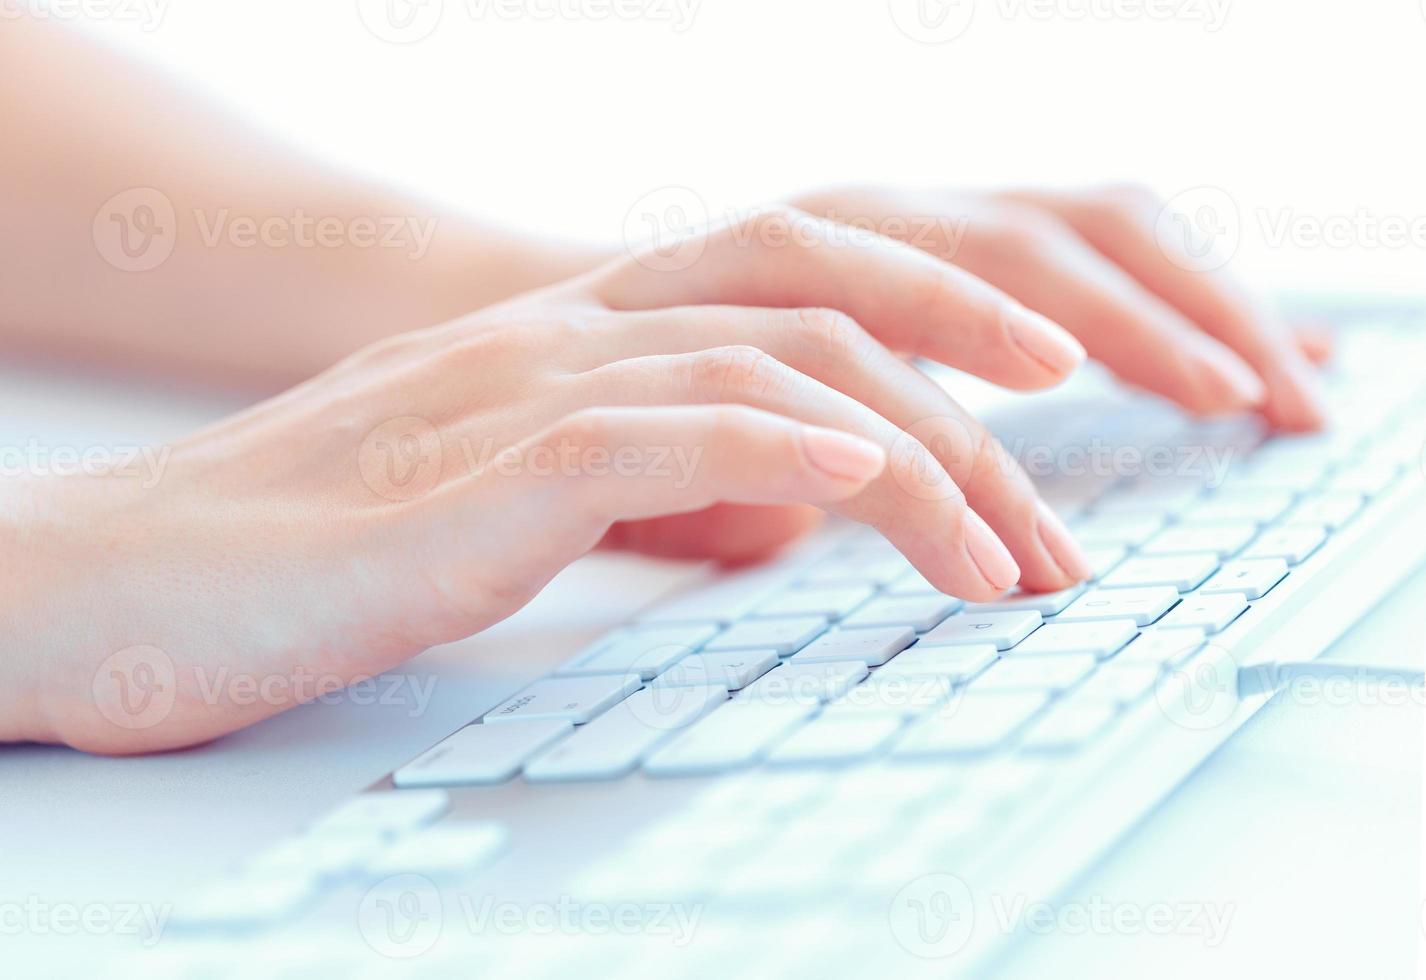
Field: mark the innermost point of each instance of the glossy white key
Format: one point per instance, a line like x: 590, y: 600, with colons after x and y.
x: 893, y: 694
x: 1330, y: 510
x: 1163, y: 649
x: 832, y: 603
x: 479, y: 754
x: 1000, y: 630
x: 920, y: 612
x: 806, y: 682
x: 957, y: 663
x: 450, y: 848
x: 1181, y: 572
x: 1104, y: 560
x: 323, y: 855
x: 1068, y: 726
x: 1130, y: 530
x: 969, y: 724
x: 1223, y: 540
x: 855, y: 570
x: 1254, y: 578
x: 572, y: 699
x: 612, y: 744
x: 1142, y: 605
x: 1366, y: 477
x: 869, y: 646
x: 1292, y: 544
x: 786, y: 636
x: 912, y: 583
x: 835, y: 739
x: 646, y: 651
x: 738, y: 734
x: 1101, y: 638
x: 1119, y: 683
x: 1035, y: 673
x: 384, y: 812
x: 1210, y: 613
x: 731, y: 670
x: 1260, y: 507
x: 727, y: 598
x: 1044, y: 603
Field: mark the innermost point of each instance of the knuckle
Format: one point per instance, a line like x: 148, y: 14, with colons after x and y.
x: 737, y: 371
x: 831, y: 331
x: 583, y: 428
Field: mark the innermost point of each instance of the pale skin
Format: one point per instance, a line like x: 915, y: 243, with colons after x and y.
x: 281, y: 541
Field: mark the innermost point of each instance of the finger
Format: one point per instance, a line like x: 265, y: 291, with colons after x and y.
x: 733, y: 534
x: 1144, y: 340
x: 834, y: 349
x: 1121, y: 224
x: 910, y: 300
x: 1316, y: 342
x: 915, y: 503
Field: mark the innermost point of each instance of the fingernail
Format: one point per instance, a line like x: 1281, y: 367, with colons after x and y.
x: 1045, y: 341
x: 1061, y: 545
x: 988, y: 554
x: 842, y: 455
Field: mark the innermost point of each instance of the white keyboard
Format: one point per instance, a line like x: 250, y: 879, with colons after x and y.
x: 843, y: 730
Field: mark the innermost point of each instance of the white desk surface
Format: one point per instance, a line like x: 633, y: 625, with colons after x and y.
x: 1306, y: 827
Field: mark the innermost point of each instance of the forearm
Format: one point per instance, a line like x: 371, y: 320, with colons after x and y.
x: 266, y: 267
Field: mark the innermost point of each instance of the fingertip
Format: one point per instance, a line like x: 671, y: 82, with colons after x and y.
x: 843, y: 456
x: 1045, y: 342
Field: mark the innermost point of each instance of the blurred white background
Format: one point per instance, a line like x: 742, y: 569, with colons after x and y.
x: 560, y: 115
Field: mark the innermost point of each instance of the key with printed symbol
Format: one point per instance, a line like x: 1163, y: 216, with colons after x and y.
x: 572, y: 699
x: 1211, y: 613
x: 869, y: 646
x: 1254, y: 578
x: 1142, y: 605
x: 731, y: 670
x: 786, y: 636
x: 480, y: 754
x: 815, y: 682
x: 1101, y: 638
x: 1000, y: 630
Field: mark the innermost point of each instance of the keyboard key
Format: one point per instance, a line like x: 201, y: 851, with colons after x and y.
x: 840, y: 739
x: 870, y: 646
x: 727, y: 598
x: 1367, y: 478
x: 1143, y: 605
x: 957, y: 663
x: 1163, y: 649
x: 480, y: 754
x: 1330, y: 510
x: 731, y: 670
x: 1035, y: 673
x: 738, y: 734
x: 912, y: 583
x: 1211, y: 613
x: 1119, y: 683
x: 894, y: 694
x: 856, y: 570
x: 1292, y: 544
x: 1067, y: 726
x: 920, y: 612
x: 1044, y: 603
x: 970, y: 724
x: 807, y: 682
x: 831, y: 603
x: 1102, y: 638
x: 1224, y: 540
x: 786, y: 636
x: 1181, y: 572
x: 1254, y: 579
x: 612, y: 744
x: 572, y: 699
x: 646, y: 651
x: 1260, y: 507
x: 450, y: 848
x: 1128, y: 530
x: 1102, y: 560
x: 384, y: 812
x: 1000, y: 630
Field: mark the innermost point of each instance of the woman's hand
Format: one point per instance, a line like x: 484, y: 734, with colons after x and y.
x: 431, y: 484
x: 1092, y: 261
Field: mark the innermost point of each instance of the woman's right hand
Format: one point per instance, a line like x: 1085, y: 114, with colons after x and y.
x: 430, y: 485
